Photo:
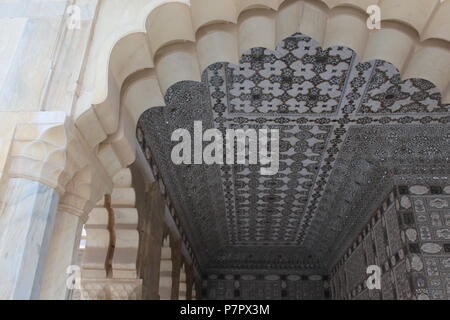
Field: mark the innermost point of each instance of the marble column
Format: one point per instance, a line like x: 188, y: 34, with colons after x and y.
x: 26, y: 224
x: 64, y: 246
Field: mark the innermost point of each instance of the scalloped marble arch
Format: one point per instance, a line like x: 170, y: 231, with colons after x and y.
x: 379, y: 71
x: 142, y: 57
x: 122, y: 69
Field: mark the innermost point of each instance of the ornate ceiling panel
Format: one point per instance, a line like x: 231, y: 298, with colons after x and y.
x: 346, y: 129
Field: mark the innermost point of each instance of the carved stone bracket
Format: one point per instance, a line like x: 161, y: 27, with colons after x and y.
x: 48, y: 148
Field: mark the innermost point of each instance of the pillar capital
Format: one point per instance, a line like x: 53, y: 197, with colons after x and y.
x: 48, y: 148
x: 74, y: 211
x: 45, y: 151
x: 82, y: 192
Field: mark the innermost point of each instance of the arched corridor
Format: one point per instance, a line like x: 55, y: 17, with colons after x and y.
x: 119, y: 129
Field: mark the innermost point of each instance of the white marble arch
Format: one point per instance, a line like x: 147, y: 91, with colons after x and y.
x: 172, y: 41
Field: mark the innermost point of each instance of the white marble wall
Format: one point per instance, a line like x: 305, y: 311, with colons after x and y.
x: 26, y: 224
x: 40, y: 56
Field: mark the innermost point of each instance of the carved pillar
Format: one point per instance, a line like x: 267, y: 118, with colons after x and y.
x: 49, y: 179
x: 151, y: 223
x: 182, y: 290
x: 126, y: 234
x: 81, y: 192
x: 37, y: 169
x: 165, y: 272
x: 94, y: 264
x: 62, y: 254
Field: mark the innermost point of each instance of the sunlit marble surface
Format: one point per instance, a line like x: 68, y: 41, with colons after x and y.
x: 26, y: 224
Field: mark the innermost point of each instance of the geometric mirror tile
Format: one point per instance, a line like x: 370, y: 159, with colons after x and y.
x: 347, y: 131
x: 407, y: 237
